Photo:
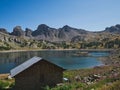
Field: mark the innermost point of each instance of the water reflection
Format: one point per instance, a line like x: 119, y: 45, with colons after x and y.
x: 61, y: 58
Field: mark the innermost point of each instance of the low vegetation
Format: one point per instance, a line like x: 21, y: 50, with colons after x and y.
x: 101, y: 41
x: 5, y: 82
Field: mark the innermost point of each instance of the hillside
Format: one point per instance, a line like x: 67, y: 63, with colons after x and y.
x: 45, y: 37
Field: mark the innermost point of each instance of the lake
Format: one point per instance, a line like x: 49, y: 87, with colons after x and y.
x: 65, y: 59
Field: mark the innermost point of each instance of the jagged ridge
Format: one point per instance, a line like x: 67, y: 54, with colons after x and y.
x: 48, y: 37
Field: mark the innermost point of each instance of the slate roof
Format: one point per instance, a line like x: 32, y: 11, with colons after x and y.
x: 25, y: 65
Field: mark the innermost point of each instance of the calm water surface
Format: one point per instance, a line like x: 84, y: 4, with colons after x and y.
x: 65, y: 59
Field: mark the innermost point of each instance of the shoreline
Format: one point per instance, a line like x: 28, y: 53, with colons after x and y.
x: 29, y: 50
x: 4, y: 75
x: 105, y: 60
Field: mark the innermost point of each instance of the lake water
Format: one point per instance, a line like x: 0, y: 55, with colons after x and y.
x: 65, y: 59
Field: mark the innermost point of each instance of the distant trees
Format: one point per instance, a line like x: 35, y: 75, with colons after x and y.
x: 88, y: 45
x: 113, y: 43
x: 104, y: 43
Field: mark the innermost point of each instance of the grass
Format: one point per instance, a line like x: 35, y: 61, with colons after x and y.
x: 70, y: 74
x: 67, y: 86
x: 107, y: 83
x: 5, y: 83
x: 113, y: 86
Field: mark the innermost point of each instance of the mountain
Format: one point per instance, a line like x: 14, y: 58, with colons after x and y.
x: 113, y: 29
x: 3, y: 30
x: 66, y: 33
x: 44, y: 32
x: 17, y: 31
x: 46, y: 37
x: 28, y: 32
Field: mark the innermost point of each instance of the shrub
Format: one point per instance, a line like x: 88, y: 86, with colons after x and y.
x: 3, y: 85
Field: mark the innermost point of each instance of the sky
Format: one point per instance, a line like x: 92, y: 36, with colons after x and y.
x: 92, y: 15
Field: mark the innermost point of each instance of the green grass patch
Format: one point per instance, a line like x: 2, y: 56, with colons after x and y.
x: 4, y: 85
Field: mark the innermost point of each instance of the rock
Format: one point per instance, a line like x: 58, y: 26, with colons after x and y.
x: 118, y: 26
x: 85, y: 79
x: 77, y: 39
x: 88, y: 83
x: 96, y: 76
x: 91, y: 78
x: 45, y: 32
x: 77, y: 78
x: 60, y: 84
x: 113, y: 29
x: 28, y: 32
x: 17, y: 31
x: 42, y: 29
x: 66, y: 33
x: 3, y: 30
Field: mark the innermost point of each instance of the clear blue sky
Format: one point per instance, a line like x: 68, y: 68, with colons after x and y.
x: 86, y: 14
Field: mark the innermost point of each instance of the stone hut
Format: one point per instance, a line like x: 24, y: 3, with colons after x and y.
x: 36, y: 73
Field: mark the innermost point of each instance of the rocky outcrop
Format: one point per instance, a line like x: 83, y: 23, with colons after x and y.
x: 113, y: 29
x: 17, y: 31
x: 77, y: 39
x: 65, y: 37
x: 28, y: 32
x: 44, y: 32
x: 3, y: 30
x: 66, y: 33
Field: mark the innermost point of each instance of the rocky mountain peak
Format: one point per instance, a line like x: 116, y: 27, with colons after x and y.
x: 3, y: 30
x: 17, y: 28
x: 17, y: 31
x: 67, y: 28
x: 42, y: 27
x: 66, y: 33
x: 118, y: 26
x: 28, y: 32
x: 113, y: 29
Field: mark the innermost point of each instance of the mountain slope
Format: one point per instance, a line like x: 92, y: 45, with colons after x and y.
x: 113, y: 29
x: 45, y: 37
x: 66, y: 33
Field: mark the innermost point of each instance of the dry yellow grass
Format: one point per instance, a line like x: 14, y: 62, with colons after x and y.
x: 3, y: 76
